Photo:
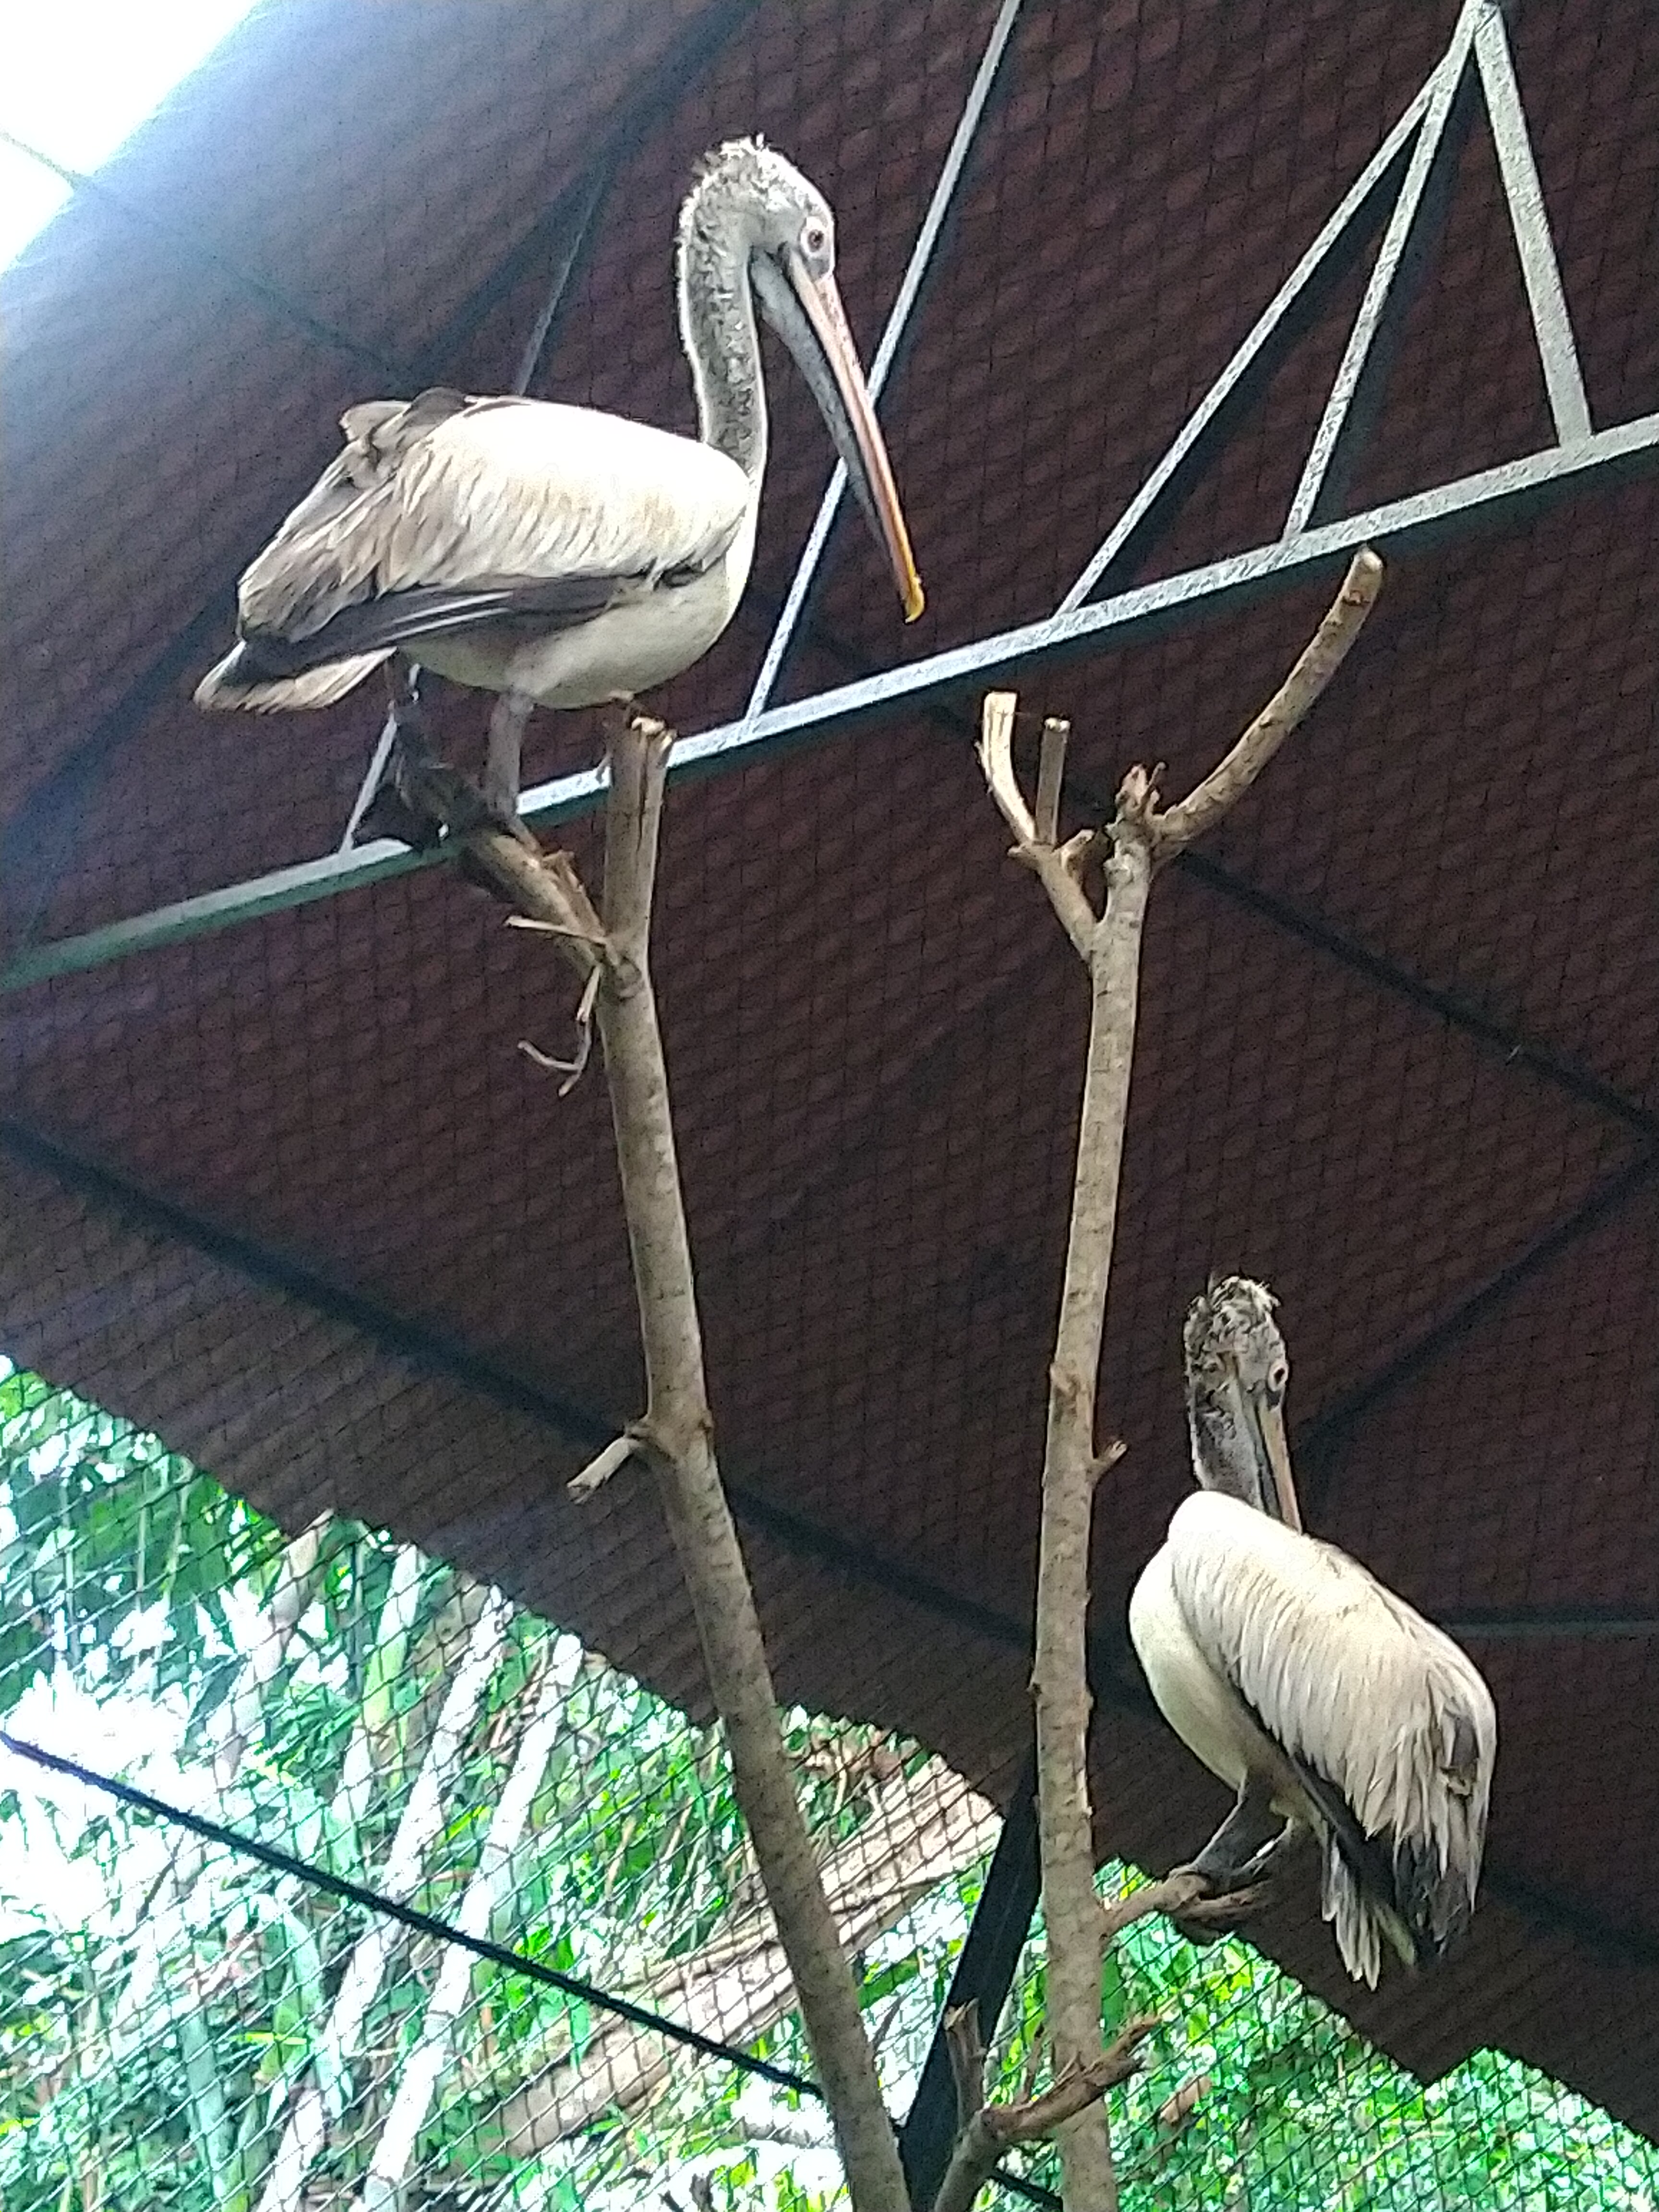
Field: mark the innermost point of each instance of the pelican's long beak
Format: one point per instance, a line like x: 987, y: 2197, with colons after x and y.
x: 807, y: 313
x: 1274, y: 1453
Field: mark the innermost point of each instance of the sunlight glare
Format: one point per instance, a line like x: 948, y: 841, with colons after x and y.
x: 80, y: 77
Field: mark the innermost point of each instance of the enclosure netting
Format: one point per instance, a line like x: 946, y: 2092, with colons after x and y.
x: 283, y: 1981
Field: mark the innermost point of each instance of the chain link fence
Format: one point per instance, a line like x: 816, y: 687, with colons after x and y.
x: 330, y: 1878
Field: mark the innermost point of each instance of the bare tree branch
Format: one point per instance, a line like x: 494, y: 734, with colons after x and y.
x: 1172, y: 1896
x: 1187, y: 1898
x: 1051, y: 773
x: 1139, y: 839
x: 965, y: 2049
x: 992, y: 2128
x: 1060, y: 1682
x: 1324, y: 654
x: 603, y: 1465
x: 676, y: 1432
x: 1047, y: 861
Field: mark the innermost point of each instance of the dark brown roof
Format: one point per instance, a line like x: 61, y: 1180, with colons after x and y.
x: 289, y: 1194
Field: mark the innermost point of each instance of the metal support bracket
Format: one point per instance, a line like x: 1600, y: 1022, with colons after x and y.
x: 1402, y: 192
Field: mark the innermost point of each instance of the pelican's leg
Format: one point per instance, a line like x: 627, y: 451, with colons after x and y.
x: 501, y: 760
x: 1237, y: 1863
x: 1265, y: 1863
x: 421, y: 798
x: 394, y: 808
x: 1251, y: 1828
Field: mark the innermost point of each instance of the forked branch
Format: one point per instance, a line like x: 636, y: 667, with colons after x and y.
x: 1140, y: 838
x: 986, y: 2131
x: 1060, y: 867
x: 1324, y: 653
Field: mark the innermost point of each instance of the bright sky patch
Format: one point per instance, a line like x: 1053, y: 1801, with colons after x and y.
x: 80, y: 76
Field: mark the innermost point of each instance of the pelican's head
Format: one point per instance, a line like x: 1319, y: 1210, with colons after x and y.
x: 749, y: 203
x: 1237, y: 1371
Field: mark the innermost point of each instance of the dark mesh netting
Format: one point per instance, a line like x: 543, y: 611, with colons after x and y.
x: 188, y: 2024
x: 278, y: 1186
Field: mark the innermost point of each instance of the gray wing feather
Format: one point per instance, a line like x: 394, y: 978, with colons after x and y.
x: 434, y: 611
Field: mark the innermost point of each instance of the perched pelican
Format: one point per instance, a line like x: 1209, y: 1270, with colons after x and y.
x: 1322, y: 1699
x: 554, y: 555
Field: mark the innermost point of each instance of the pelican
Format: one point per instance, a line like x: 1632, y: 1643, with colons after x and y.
x: 1324, y: 1700
x: 556, y: 555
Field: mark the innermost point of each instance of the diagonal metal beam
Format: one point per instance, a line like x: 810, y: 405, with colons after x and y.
x: 1514, y: 489
x: 909, y: 292
x: 1408, y: 181
x: 1346, y: 235
x: 1413, y: 231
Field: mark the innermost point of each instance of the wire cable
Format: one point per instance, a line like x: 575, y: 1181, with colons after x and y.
x: 424, y: 1923
x: 428, y: 1923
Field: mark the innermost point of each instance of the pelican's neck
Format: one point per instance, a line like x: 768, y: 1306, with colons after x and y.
x: 718, y: 328
x: 1208, y: 1472
x: 1220, y: 1459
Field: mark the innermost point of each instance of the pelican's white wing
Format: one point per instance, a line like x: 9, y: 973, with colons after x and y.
x: 472, y: 494
x: 1388, y: 1724
x: 445, y: 512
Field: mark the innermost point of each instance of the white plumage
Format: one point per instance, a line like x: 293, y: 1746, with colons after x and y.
x: 1318, y: 1695
x: 554, y: 555
x: 518, y: 489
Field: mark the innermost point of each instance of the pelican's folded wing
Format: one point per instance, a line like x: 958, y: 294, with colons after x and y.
x: 447, y: 512
x: 1389, y: 1723
x: 434, y: 611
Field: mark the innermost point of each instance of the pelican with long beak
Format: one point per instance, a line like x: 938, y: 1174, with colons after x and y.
x: 554, y: 555
x: 1322, y: 1698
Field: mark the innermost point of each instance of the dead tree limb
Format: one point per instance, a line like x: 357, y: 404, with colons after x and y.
x: 985, y: 2131
x: 675, y: 1435
x: 1140, y: 837
x: 1187, y: 1899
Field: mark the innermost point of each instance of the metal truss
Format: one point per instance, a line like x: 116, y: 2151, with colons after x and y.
x: 1402, y: 192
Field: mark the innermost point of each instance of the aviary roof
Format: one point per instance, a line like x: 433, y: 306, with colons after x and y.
x: 290, y: 1194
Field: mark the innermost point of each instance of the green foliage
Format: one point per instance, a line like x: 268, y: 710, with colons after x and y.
x: 1296, y: 2112
x: 167, y: 2008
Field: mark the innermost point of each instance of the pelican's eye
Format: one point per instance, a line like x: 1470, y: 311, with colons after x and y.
x: 815, y: 240
x: 1277, y: 1375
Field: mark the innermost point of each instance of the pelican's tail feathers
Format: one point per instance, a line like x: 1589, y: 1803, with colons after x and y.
x: 239, y: 680
x: 1360, y: 1921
